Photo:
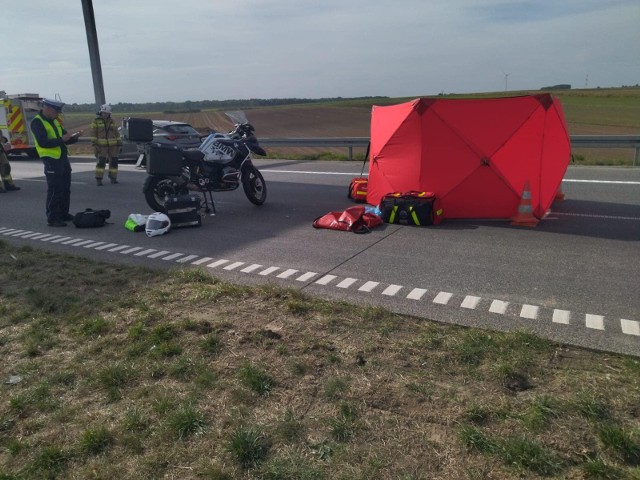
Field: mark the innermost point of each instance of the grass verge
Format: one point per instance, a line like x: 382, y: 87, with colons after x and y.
x: 118, y: 372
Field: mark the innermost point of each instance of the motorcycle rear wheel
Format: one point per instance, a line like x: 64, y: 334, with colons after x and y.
x: 156, y: 189
x: 254, y: 186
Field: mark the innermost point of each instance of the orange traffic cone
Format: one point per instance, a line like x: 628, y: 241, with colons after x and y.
x: 559, y: 194
x: 524, y: 217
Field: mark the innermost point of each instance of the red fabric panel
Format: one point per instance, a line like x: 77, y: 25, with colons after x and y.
x: 475, y: 154
x: 482, y: 194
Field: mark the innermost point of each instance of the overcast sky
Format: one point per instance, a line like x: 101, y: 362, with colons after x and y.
x: 216, y: 50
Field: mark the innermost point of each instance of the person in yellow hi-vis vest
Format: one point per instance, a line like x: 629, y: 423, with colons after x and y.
x: 106, y: 143
x: 51, y: 141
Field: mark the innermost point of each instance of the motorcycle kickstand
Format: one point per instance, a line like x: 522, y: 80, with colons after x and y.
x: 207, y: 201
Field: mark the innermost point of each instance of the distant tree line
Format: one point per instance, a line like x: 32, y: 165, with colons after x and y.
x: 561, y: 86
x: 196, y: 106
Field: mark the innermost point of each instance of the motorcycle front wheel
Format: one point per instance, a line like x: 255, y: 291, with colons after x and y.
x: 157, y: 188
x: 254, y: 185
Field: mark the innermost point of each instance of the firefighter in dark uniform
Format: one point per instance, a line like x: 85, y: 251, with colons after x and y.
x: 51, y: 144
x: 6, y: 182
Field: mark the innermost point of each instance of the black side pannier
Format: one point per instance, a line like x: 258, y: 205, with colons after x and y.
x: 183, y: 210
x: 164, y: 161
x: 139, y: 130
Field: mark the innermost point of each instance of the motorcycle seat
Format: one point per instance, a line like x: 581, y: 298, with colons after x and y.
x: 193, y: 154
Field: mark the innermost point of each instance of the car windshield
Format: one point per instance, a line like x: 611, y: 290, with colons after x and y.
x: 181, y: 129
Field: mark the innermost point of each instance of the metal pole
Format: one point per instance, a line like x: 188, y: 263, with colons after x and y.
x: 94, y: 53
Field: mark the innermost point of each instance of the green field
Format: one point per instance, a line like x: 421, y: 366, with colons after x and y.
x: 612, y: 111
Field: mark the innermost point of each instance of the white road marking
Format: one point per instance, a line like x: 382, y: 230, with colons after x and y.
x: 306, y: 276
x: 594, y: 321
x: 30, y: 235
x: 268, y: 271
x: 391, y: 290
x: 347, y: 282
x: 144, y: 253
x: 159, y: 254
x: 83, y: 243
x: 186, y: 259
x: 118, y: 248
x: 50, y: 238
x: 233, y: 266
x: 130, y: 250
x: 217, y: 263
x: 73, y: 240
x: 630, y: 327
x: 442, y: 298
x: 529, y: 311
x: 561, y: 316
x: 470, y: 302
x: 104, y: 247
x: 173, y: 256
x: 62, y: 239
x: 368, y: 286
x: 202, y: 260
x: 287, y: 273
x: 416, y: 293
x: 326, y: 279
x: 498, y: 306
x: 94, y: 244
x: 251, y: 268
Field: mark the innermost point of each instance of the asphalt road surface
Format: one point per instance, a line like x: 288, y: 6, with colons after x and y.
x: 575, y: 278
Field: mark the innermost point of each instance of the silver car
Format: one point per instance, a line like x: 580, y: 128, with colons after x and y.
x: 166, y: 132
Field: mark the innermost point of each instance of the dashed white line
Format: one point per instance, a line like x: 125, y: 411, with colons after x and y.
x: 251, y: 268
x: 368, y: 286
x: 73, y: 241
x: 118, y: 248
x: 144, y: 253
x: 391, y: 290
x: 561, y: 316
x: 104, y: 247
x: 470, y: 302
x: 31, y: 235
x: 416, y: 293
x: 326, y: 279
x: 217, y: 263
x: 594, y: 321
x: 233, y: 265
x: 529, y: 311
x: 498, y: 306
x: 50, y: 238
x: 630, y: 327
x: 306, y: 276
x: 442, y: 298
x: 93, y: 244
x: 287, y: 273
x: 130, y: 250
x: 188, y: 258
x: 173, y: 256
x: 202, y: 260
x: 268, y: 271
x: 159, y: 254
x: 347, y: 282
x: 83, y: 243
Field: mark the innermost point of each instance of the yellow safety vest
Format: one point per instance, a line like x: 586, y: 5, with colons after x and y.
x: 52, y: 152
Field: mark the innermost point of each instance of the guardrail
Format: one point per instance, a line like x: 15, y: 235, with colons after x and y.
x: 577, y: 141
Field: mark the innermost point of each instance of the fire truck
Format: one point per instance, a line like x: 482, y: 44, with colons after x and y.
x: 15, y: 116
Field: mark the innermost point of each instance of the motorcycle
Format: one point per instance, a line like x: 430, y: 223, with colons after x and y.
x: 221, y: 164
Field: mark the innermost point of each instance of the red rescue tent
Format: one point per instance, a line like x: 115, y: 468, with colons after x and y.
x: 474, y: 154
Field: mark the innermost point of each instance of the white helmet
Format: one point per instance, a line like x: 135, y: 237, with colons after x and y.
x: 157, y: 224
x: 106, y: 108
